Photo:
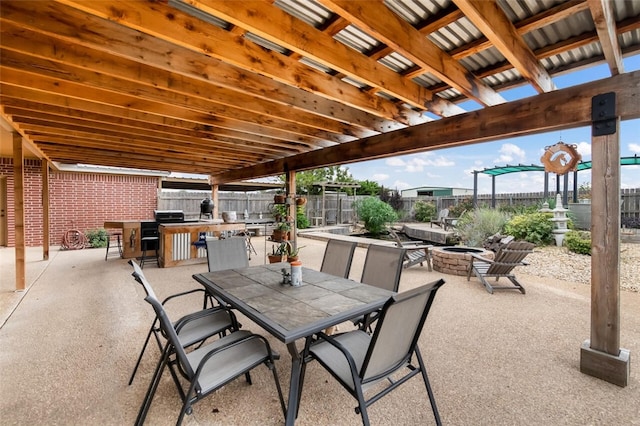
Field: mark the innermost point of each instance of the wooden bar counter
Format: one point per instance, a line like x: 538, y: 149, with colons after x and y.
x: 130, y: 236
x: 176, y: 240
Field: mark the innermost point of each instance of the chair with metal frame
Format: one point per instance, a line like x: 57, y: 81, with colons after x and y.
x: 209, y: 367
x: 383, y: 266
x: 382, y: 269
x: 358, y: 360
x: 338, y: 256
x: 192, y: 329
x: 417, y: 252
x: 226, y: 253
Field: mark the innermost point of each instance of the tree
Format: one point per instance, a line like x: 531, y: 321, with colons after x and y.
x: 305, y: 180
x: 391, y: 197
x: 368, y: 187
x: 375, y: 214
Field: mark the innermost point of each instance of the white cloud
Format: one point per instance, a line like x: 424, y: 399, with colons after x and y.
x: 395, y: 162
x: 634, y: 147
x: 400, y: 185
x: 416, y: 164
x: 509, y: 153
x: 378, y: 177
x: 584, y: 148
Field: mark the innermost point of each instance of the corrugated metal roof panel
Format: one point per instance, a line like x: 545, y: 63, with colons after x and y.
x: 357, y: 39
x: 316, y: 65
x: 266, y: 43
x: 313, y: 13
x: 427, y: 80
x: 396, y: 62
x: 416, y: 11
x: 455, y: 34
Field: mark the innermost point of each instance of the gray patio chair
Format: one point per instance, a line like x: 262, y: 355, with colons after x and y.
x: 506, y: 259
x: 383, y: 266
x: 417, y: 252
x: 338, y: 256
x: 208, y: 367
x: 382, y: 269
x: 228, y: 253
x: 358, y: 360
x: 193, y: 328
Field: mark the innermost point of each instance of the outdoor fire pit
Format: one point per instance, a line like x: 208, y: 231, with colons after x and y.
x: 455, y: 260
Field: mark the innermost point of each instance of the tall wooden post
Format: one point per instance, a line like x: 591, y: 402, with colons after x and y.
x: 18, y: 200
x: 215, y: 199
x: 601, y: 356
x: 291, y: 205
x: 45, y: 210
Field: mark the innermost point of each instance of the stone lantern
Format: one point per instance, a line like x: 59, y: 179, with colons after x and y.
x: 560, y: 220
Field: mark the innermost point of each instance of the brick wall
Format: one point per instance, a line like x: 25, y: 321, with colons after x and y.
x: 79, y: 201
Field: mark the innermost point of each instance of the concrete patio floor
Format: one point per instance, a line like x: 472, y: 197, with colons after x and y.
x: 69, y: 342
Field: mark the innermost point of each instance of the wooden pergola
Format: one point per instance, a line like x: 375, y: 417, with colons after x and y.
x: 239, y: 90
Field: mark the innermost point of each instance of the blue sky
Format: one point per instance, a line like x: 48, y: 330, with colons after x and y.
x: 454, y: 167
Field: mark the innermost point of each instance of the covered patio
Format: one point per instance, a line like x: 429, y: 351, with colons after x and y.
x: 273, y: 88
x: 69, y: 346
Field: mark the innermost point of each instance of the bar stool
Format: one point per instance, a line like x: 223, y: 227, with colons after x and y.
x: 149, y: 240
x: 110, y: 236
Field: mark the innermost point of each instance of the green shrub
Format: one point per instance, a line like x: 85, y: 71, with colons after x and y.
x: 578, y: 241
x: 533, y: 227
x: 97, y: 237
x: 463, y: 206
x: 475, y: 226
x: 302, y: 222
x: 423, y: 212
x: 375, y: 214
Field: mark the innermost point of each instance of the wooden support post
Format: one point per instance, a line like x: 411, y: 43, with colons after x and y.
x: 601, y: 356
x: 18, y: 201
x: 215, y: 199
x: 45, y: 209
x: 290, y: 188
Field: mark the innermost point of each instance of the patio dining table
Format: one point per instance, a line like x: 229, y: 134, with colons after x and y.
x: 293, y: 313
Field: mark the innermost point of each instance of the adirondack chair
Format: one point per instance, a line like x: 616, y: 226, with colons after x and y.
x: 507, y: 258
x: 416, y: 252
x: 441, y: 219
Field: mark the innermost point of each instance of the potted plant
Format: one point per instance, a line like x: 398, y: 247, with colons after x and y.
x: 279, y: 252
x: 301, y: 201
x: 279, y: 198
x: 281, y: 232
x: 292, y: 253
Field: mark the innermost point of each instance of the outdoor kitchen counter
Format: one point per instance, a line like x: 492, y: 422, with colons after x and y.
x: 130, y: 235
x: 176, y: 240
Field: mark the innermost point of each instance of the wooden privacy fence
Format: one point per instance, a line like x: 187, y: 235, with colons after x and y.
x: 339, y: 208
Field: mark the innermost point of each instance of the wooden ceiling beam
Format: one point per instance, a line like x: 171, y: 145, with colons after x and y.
x: 271, y: 23
x: 540, y: 20
x: 93, y: 68
x: 195, y: 124
x: 605, y: 23
x: 72, y: 142
x: 559, y: 109
x: 179, y: 29
x: 109, y: 158
x: 55, y: 114
x: 147, y: 141
x: 381, y: 23
x: 22, y: 78
x: 175, y: 95
x: 491, y: 20
x: 195, y: 66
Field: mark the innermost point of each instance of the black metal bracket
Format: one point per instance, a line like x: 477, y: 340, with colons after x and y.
x: 603, y: 114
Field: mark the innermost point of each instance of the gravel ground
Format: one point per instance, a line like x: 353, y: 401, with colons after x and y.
x: 560, y: 263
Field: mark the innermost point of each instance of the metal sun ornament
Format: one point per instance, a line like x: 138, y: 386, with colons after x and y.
x: 560, y: 158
